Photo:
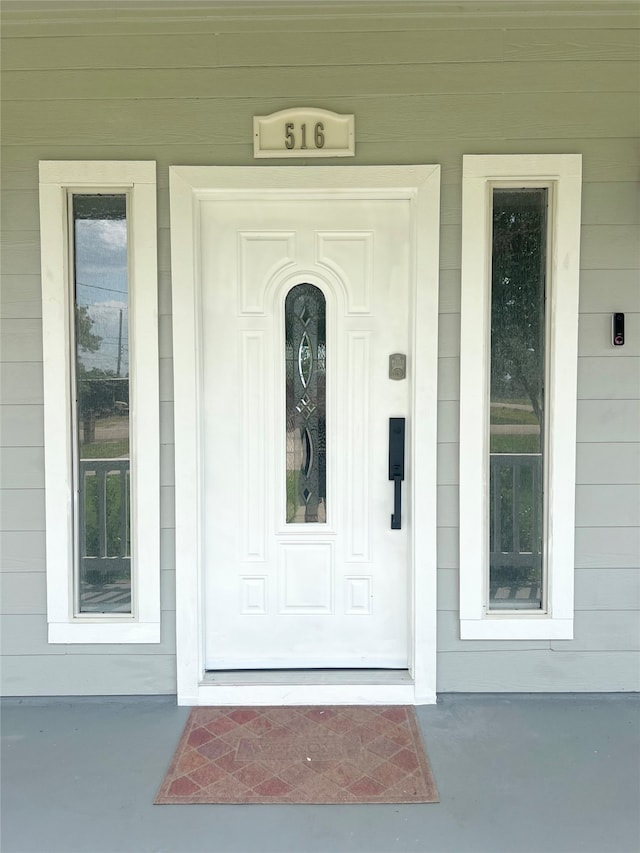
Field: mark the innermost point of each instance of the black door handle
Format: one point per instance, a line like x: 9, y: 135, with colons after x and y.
x: 396, y: 468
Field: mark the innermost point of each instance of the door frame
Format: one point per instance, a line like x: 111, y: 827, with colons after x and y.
x: 421, y: 186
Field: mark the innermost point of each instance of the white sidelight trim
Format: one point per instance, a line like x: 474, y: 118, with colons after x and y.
x: 189, y: 186
x: 58, y: 179
x: 562, y: 174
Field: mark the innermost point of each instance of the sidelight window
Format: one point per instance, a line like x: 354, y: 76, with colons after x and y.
x: 101, y: 403
x: 518, y: 383
x: 98, y: 236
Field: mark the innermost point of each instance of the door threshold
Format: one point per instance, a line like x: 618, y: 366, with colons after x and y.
x: 306, y: 687
x: 306, y: 676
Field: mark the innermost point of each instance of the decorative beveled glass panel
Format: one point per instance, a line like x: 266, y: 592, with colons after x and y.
x: 102, y: 403
x: 305, y: 347
x: 519, y: 260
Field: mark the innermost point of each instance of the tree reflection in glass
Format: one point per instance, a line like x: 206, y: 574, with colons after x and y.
x: 101, y: 302
x: 519, y: 256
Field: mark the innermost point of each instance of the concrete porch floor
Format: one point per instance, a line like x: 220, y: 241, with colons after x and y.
x: 516, y: 773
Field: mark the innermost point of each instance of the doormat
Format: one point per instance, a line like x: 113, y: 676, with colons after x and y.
x: 337, y: 754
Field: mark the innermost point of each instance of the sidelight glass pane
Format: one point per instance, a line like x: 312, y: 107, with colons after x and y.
x: 101, y: 354
x: 305, y: 347
x: 519, y: 256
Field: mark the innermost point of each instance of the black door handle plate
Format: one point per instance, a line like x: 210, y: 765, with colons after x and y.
x: 396, y: 467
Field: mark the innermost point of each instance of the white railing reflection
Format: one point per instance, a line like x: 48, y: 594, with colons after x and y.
x: 515, y: 530
x: 104, y: 540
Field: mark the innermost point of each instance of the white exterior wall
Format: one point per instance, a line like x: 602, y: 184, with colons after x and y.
x: 425, y: 87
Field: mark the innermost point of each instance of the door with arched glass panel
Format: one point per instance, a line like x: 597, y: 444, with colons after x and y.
x: 302, y: 303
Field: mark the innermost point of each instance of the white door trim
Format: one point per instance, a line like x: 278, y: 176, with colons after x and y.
x: 421, y: 185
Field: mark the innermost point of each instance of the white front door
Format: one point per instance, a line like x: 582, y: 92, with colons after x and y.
x: 292, y: 287
x: 303, y: 302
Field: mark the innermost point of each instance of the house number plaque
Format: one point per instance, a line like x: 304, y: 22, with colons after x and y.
x: 303, y: 132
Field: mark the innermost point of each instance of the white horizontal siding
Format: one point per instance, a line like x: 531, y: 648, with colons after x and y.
x: 449, y: 335
x: 166, y: 341
x: 608, y: 547
x: 421, y: 46
x: 167, y: 507
x: 167, y: 549
x: 207, y: 49
x: 609, y: 589
x: 21, y: 340
x: 21, y: 425
x: 449, y: 379
x: 447, y: 506
x: 448, y: 592
x: 305, y: 82
x: 94, y: 84
x: 610, y: 247
x: 167, y: 465
x: 21, y: 383
x: 21, y: 509
x: 609, y: 204
x: 448, y: 548
x: 20, y: 252
x: 449, y: 287
x: 22, y: 468
x: 555, y: 45
x: 603, y: 630
x: 448, y: 464
x: 608, y: 378
x: 22, y: 550
x: 168, y: 591
x: 20, y: 296
x: 566, y: 15
x: 604, y: 291
x: 88, y: 675
x: 242, y: 49
x: 608, y: 463
x: 166, y: 380
x: 166, y: 422
x: 607, y: 505
x: 539, y: 671
x: 23, y: 593
x: 608, y: 420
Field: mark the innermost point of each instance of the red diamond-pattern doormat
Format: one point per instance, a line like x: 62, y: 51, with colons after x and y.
x: 352, y: 754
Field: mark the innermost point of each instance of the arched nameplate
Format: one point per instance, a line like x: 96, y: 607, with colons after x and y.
x: 303, y: 132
